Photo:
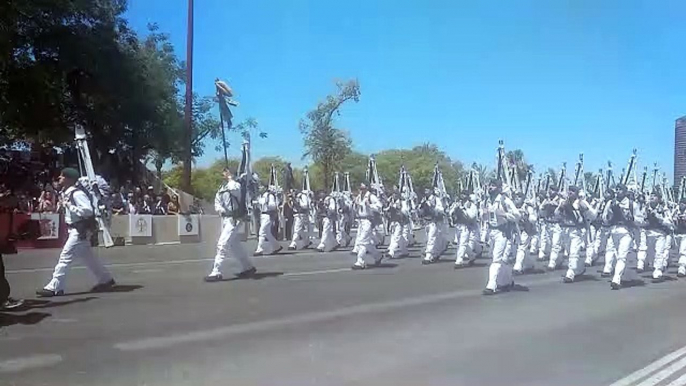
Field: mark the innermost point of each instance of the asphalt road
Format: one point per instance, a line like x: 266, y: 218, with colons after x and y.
x: 307, y: 319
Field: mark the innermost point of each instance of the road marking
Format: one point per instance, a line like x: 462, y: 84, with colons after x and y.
x: 651, y: 368
x: 32, y: 362
x: 148, y: 270
x: 117, y: 265
x: 153, y: 263
x: 681, y: 381
x: 305, y: 273
x: 664, y: 374
x: 322, y: 316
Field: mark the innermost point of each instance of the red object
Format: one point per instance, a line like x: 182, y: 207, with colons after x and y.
x: 17, y: 219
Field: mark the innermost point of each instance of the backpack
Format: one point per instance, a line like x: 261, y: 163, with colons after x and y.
x: 90, y: 223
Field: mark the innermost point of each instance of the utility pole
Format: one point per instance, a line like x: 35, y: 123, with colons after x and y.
x: 188, y: 113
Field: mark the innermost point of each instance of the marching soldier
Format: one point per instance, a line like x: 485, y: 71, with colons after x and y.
x: 233, y: 210
x: 503, y: 217
x: 465, y: 215
x: 302, y: 206
x: 268, y: 206
x: 680, y: 233
x: 398, y: 216
x: 329, y: 213
x: 574, y: 213
x: 80, y: 218
x: 343, y: 220
x: 432, y: 212
x: 553, y: 236
x: 658, y: 225
x: 527, y: 230
x: 624, y: 215
x: 366, y: 207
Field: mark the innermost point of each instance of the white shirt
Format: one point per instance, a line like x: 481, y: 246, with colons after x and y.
x: 78, y: 207
x: 303, y: 199
x: 367, y: 205
x: 223, y: 203
x: 501, y: 210
x: 267, y: 202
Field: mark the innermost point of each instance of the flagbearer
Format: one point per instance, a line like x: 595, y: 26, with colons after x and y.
x: 80, y: 218
x: 232, y: 208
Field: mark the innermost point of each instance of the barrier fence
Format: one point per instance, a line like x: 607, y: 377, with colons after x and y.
x: 126, y: 230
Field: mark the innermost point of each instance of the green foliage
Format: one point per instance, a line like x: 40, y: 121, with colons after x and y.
x: 420, y: 162
x: 205, y: 181
x: 325, y: 144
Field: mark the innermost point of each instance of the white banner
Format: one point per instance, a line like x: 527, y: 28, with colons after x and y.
x: 189, y: 225
x: 49, y: 225
x: 140, y: 225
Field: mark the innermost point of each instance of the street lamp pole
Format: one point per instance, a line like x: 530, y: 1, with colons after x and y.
x: 188, y: 112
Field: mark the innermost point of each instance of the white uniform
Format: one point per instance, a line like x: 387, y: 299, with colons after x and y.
x: 398, y: 245
x: 226, y: 202
x: 574, y: 219
x: 342, y: 223
x: 78, y: 207
x: 467, y: 232
x: 657, y: 249
x: 328, y: 241
x: 301, y: 226
x: 434, y: 241
x: 623, y: 237
x: 502, y: 215
x: 365, y: 207
x: 524, y: 259
x: 267, y: 243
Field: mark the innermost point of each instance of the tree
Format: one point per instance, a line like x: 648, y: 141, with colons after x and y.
x: 553, y: 177
x: 516, y: 158
x: 325, y: 144
x: 420, y: 162
x: 205, y: 181
x: 590, y: 181
x: 485, y: 173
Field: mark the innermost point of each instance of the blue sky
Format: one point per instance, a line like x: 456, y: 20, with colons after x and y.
x: 553, y: 78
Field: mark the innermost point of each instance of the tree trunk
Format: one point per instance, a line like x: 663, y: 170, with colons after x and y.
x: 326, y: 170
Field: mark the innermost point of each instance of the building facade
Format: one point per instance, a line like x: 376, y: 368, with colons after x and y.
x: 679, y: 150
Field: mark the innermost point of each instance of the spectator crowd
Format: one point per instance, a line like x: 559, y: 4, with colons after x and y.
x: 29, y: 183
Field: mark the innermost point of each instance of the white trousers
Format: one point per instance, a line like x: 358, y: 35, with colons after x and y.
x: 573, y: 239
x: 408, y: 233
x: 500, y: 271
x: 525, y: 258
x: 657, y: 250
x: 77, y: 248
x: 681, y: 242
x: 556, y: 244
x: 433, y: 242
x: 301, y: 235
x: 267, y: 243
x: 365, y: 243
x: 342, y: 236
x: 398, y: 244
x: 468, y: 245
x: 622, y: 239
x: 544, y: 241
x: 229, y: 243
x: 600, y: 244
x: 328, y: 241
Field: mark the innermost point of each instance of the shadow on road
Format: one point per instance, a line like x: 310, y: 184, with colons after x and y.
x: 256, y: 276
x: 383, y: 265
x: 26, y: 319
x: 115, y: 289
x: 585, y: 277
x: 519, y: 288
x: 40, y: 303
